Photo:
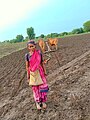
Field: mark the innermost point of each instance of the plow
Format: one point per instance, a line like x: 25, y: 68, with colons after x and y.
x: 51, y: 42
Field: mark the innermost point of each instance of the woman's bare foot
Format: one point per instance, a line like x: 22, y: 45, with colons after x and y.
x: 44, y: 105
x: 38, y: 106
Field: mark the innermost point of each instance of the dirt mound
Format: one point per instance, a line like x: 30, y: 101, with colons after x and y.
x: 69, y: 96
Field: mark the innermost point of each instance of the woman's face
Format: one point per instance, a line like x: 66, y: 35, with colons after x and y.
x: 31, y: 47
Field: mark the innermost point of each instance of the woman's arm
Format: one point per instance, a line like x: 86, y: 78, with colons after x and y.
x: 27, y: 65
x: 43, y: 64
x: 27, y: 69
x: 44, y: 68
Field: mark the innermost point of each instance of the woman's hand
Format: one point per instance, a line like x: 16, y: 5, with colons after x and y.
x: 44, y: 69
x: 45, y: 61
x: 45, y: 73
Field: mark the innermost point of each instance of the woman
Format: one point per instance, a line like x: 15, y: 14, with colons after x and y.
x: 36, y: 75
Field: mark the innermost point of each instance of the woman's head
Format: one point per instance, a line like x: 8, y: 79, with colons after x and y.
x: 31, y: 45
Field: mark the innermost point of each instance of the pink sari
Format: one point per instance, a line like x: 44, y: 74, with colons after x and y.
x: 35, y: 63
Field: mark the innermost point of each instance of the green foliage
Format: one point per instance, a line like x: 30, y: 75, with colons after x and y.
x: 77, y: 31
x: 49, y: 35
x: 86, y: 26
x: 26, y: 38
x: 19, y: 38
x: 81, y: 30
x: 69, y: 33
x: 13, y: 41
x: 30, y: 33
x: 52, y: 35
x: 37, y: 37
x: 63, y: 33
x: 42, y: 36
x: 6, y: 41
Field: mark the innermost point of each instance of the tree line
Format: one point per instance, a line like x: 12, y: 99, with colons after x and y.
x: 31, y: 34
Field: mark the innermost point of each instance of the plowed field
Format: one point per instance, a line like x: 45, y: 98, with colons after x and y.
x: 68, y: 78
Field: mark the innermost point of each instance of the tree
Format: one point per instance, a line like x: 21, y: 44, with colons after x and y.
x: 86, y: 26
x: 13, y: 41
x: 30, y: 33
x: 42, y: 36
x: 37, y: 37
x: 81, y: 30
x: 19, y: 38
x: 64, y: 33
x: 69, y: 33
x: 77, y: 31
x: 26, y: 38
x: 6, y: 41
x: 49, y: 36
x: 52, y: 35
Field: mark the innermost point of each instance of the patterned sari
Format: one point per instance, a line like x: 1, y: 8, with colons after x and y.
x: 40, y: 91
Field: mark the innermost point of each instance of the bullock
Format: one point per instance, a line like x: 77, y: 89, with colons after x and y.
x: 50, y: 42
x: 42, y: 45
x: 53, y: 42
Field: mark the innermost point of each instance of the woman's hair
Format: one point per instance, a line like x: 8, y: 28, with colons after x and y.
x: 31, y: 42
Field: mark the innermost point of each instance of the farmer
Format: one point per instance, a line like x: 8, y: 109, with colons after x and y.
x: 36, y: 73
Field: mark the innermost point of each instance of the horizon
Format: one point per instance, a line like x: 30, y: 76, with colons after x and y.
x: 44, y: 16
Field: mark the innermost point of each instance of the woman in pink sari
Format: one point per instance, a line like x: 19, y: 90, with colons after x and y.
x: 34, y: 63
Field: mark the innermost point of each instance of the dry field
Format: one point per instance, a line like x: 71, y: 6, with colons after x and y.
x: 68, y: 78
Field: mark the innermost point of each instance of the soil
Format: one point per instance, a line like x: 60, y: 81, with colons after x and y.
x: 68, y: 78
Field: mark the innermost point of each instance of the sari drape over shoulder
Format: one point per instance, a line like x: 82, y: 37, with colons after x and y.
x: 35, y: 64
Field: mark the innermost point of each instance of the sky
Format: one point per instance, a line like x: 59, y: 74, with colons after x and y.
x: 45, y: 16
